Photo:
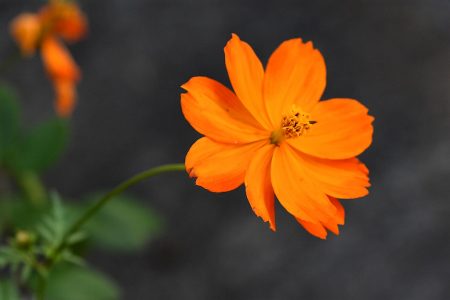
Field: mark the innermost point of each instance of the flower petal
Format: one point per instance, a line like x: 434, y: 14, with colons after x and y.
x: 69, y: 21
x: 344, y: 179
x: 299, y: 196
x: 246, y: 75
x: 339, y: 209
x: 315, y: 229
x: 26, y: 30
x: 214, y: 111
x: 57, y: 60
x: 258, y: 186
x: 219, y: 167
x: 65, y: 97
x: 295, y: 74
x: 343, y: 130
x: 330, y: 223
x: 319, y: 230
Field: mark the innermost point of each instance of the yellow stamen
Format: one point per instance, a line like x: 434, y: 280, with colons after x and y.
x: 294, y: 124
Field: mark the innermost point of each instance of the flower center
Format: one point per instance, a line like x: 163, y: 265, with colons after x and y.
x: 293, y: 124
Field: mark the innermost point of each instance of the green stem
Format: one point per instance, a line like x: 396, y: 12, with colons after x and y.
x: 90, y: 212
x: 32, y: 187
x: 41, y: 288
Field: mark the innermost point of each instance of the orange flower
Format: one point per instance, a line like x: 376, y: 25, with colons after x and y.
x: 274, y: 135
x: 26, y: 29
x: 58, y: 19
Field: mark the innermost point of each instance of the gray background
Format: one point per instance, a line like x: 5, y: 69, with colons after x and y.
x: 394, y: 56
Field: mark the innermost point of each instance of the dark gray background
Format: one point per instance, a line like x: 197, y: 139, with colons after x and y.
x: 394, y: 56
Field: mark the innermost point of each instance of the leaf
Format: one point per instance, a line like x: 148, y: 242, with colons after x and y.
x: 124, y: 225
x: 75, y: 283
x: 25, y: 273
x: 9, y: 120
x: 69, y: 257
x: 42, y: 146
x: 54, y: 225
x: 8, y: 291
x: 15, y: 210
x: 10, y: 255
x: 76, y: 238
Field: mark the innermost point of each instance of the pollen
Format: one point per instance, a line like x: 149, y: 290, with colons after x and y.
x: 293, y: 124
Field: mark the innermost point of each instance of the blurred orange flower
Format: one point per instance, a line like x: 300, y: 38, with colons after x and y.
x: 274, y: 135
x: 57, y: 20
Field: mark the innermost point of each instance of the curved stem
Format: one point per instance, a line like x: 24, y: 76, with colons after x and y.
x: 90, y: 212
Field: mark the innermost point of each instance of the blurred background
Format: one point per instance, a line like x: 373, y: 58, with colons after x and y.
x: 393, y: 56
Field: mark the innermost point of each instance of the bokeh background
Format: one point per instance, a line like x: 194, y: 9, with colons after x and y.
x: 394, y: 56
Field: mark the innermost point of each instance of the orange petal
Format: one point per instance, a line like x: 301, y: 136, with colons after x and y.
x: 58, y: 62
x: 246, y: 75
x: 339, y: 209
x: 69, y: 21
x: 315, y: 229
x: 338, y: 178
x: 214, y: 111
x: 26, y: 30
x: 298, y: 196
x: 343, y: 130
x: 219, y: 167
x: 65, y: 97
x: 295, y: 74
x: 258, y: 186
x: 319, y: 230
x: 330, y: 223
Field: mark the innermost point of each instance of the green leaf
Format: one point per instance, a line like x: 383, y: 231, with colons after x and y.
x: 74, y: 283
x: 76, y: 238
x: 15, y: 210
x: 124, y: 225
x: 10, y: 255
x: 42, y: 146
x: 9, y: 120
x: 54, y: 225
x: 8, y: 291
x: 69, y: 257
x: 25, y: 273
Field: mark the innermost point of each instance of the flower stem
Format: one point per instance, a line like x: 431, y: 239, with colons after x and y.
x: 32, y: 187
x: 41, y: 288
x: 90, y: 212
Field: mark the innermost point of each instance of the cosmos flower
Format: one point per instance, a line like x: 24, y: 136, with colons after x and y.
x: 57, y: 20
x: 275, y: 136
